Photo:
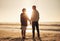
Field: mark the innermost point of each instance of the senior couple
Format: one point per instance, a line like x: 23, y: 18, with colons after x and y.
x: 34, y: 21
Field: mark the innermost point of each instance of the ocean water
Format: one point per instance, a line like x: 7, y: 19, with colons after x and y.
x: 29, y: 28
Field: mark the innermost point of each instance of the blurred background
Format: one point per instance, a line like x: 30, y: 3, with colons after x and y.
x: 10, y: 10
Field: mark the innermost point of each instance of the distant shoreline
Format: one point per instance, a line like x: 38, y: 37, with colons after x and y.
x: 41, y: 24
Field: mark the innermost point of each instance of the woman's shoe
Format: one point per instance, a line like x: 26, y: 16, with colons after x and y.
x: 23, y: 37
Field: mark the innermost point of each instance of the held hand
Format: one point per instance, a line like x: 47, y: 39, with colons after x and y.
x: 30, y: 22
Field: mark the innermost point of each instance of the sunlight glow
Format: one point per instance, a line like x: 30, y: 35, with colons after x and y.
x: 29, y: 26
x: 29, y: 12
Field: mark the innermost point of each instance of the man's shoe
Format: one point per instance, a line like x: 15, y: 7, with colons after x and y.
x: 39, y: 38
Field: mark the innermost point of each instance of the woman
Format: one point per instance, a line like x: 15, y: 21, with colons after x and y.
x: 23, y: 19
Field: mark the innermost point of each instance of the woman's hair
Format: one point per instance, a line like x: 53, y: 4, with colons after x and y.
x: 23, y: 9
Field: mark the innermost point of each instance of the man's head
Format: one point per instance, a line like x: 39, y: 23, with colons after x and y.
x: 23, y: 10
x: 34, y: 7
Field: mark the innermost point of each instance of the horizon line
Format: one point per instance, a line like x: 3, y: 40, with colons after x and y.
x: 41, y: 23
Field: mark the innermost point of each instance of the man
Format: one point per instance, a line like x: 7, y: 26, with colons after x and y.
x: 35, y: 19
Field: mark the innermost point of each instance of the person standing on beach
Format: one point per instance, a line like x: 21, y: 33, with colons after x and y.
x: 23, y: 18
x: 34, y: 20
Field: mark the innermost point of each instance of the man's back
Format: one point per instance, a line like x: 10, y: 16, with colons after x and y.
x: 35, y: 15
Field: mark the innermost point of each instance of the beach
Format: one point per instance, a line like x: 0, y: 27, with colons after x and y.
x: 13, y: 33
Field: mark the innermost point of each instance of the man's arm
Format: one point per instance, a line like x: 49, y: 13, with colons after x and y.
x: 38, y: 15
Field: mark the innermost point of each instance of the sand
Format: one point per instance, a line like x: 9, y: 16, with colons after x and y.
x: 13, y: 33
x: 16, y: 36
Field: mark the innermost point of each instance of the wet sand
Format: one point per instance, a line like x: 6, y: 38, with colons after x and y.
x: 16, y: 36
x: 11, y: 34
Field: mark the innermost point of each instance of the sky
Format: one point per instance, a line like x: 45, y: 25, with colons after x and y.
x: 10, y: 10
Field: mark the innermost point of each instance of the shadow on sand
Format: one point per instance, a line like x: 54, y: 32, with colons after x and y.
x: 19, y: 39
x: 27, y: 39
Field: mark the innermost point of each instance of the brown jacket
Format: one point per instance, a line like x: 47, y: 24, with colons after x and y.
x: 23, y: 18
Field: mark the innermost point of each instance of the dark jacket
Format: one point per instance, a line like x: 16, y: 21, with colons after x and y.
x: 23, y: 19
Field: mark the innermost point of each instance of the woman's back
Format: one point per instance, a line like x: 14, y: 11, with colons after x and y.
x: 23, y: 19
